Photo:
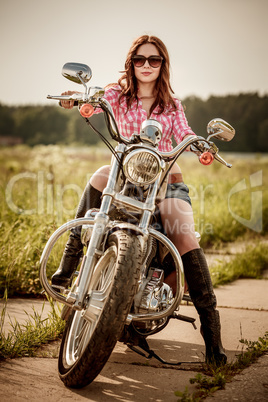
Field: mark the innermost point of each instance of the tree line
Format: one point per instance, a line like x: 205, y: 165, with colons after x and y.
x: 246, y: 112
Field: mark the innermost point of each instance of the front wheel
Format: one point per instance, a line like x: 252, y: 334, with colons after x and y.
x: 90, y: 335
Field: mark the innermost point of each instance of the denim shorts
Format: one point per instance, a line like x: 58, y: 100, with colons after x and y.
x: 178, y: 190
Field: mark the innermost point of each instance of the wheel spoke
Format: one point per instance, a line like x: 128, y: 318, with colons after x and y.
x: 83, y: 336
x: 98, y: 297
x: 95, y: 308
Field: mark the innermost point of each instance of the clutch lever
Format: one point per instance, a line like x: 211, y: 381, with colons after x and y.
x: 221, y: 160
x: 75, y: 97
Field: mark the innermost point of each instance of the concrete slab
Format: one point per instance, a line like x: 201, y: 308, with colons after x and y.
x: 21, y: 310
x: 243, y: 307
x: 244, y: 293
x: 35, y: 379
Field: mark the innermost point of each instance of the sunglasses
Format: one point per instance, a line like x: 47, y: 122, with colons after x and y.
x: 154, y: 61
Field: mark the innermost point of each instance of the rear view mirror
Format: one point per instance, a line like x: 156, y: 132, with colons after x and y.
x: 77, y: 72
x: 220, y: 129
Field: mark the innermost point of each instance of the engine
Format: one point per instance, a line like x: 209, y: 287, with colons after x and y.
x: 154, y: 295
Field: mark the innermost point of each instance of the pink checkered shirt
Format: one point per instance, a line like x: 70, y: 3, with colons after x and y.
x: 129, y: 122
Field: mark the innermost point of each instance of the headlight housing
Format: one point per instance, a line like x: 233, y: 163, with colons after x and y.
x: 142, y: 167
x: 151, y: 131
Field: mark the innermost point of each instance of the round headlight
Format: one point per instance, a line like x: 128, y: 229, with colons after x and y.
x: 142, y: 167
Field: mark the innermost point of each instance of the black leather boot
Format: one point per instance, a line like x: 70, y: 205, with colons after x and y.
x: 201, y: 291
x: 73, y: 251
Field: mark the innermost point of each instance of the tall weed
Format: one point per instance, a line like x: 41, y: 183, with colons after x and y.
x: 24, y: 339
x: 249, y: 264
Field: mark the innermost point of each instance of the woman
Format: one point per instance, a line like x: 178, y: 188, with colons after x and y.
x: 142, y: 92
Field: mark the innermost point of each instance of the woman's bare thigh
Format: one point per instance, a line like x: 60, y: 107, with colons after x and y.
x: 178, y: 222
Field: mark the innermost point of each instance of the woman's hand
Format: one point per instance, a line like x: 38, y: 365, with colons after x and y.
x: 189, y: 147
x: 68, y: 104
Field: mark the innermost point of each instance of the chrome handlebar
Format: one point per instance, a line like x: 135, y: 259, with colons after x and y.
x: 94, y: 96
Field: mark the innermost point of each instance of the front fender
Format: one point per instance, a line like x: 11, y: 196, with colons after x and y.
x: 156, y: 234
x: 129, y: 226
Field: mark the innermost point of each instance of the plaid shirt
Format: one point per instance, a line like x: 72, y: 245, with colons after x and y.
x: 129, y: 122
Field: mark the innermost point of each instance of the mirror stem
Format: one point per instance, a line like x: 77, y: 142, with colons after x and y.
x: 82, y: 81
x: 214, y: 134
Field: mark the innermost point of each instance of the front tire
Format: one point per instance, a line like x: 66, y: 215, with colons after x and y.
x: 88, y: 342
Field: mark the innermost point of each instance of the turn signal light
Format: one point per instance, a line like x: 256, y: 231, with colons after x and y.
x: 206, y: 158
x: 86, y: 110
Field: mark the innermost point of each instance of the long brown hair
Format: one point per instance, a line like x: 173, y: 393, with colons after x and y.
x: 128, y: 81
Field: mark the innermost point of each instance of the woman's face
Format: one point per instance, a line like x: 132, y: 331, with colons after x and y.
x: 146, y: 73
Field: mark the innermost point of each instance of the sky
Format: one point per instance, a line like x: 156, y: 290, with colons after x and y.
x: 216, y: 47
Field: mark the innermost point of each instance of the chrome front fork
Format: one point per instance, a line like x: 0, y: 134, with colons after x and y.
x: 101, y: 221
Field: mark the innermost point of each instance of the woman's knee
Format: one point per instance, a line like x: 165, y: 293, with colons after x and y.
x: 186, y: 243
x: 100, y: 178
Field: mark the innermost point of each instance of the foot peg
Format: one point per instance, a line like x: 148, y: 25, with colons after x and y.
x: 184, y: 318
x: 187, y: 298
x: 58, y: 288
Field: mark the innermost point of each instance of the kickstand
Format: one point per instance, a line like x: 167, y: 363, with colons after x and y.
x: 143, y: 344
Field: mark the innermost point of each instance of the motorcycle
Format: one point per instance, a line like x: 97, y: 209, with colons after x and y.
x: 119, y: 292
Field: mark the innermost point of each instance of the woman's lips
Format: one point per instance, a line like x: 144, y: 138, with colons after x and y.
x: 146, y: 73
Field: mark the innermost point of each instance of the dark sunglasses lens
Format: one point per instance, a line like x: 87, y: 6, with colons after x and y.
x: 155, y: 61
x: 139, y: 61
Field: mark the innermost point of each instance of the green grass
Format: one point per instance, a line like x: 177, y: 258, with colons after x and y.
x: 249, y: 264
x: 210, y: 189
x: 212, y: 379
x: 41, y: 187
x: 49, y: 181
x: 24, y: 339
